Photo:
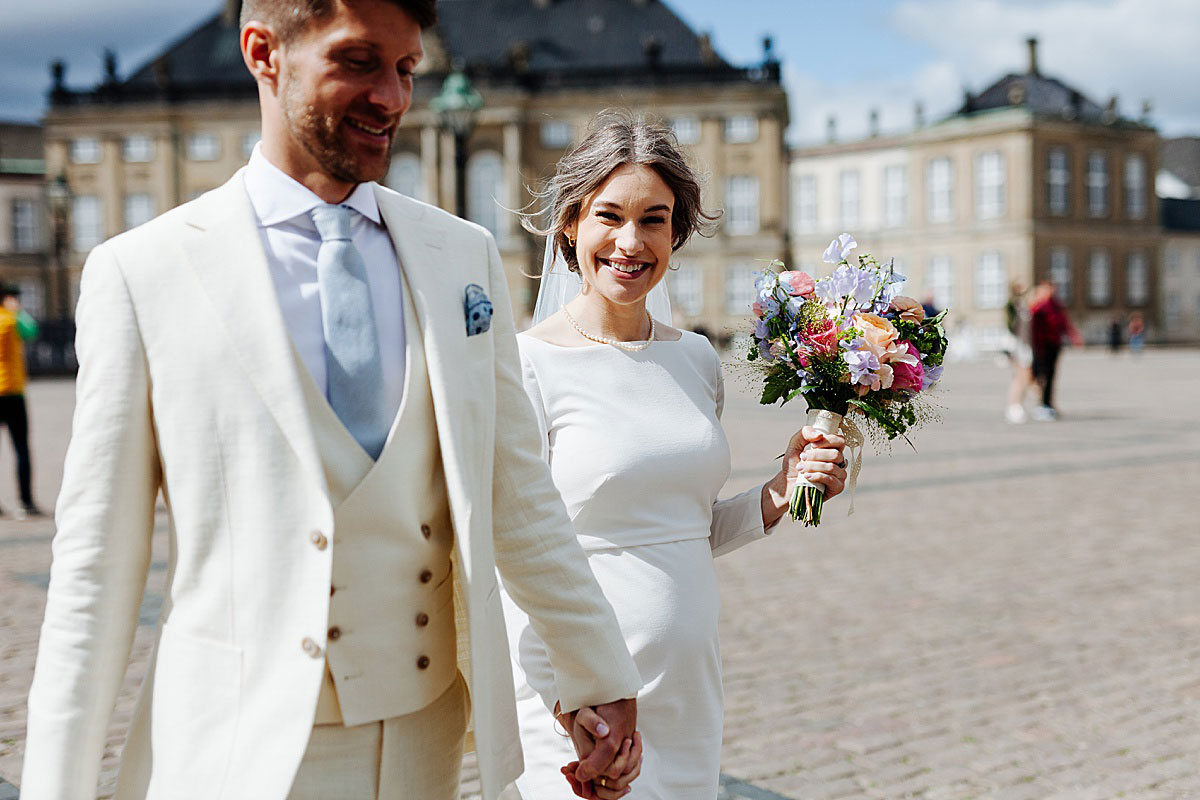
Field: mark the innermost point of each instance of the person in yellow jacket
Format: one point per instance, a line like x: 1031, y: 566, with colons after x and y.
x: 16, y: 326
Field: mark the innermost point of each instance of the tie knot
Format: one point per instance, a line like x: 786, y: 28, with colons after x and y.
x: 333, y: 222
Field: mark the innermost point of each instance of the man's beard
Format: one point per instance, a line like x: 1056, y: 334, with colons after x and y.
x: 318, y: 134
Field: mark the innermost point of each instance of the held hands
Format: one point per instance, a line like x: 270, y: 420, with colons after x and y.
x: 609, y: 748
x: 819, y: 457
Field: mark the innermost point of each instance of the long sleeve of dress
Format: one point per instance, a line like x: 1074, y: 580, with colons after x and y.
x: 736, y: 521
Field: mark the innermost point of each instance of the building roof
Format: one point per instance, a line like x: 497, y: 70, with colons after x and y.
x: 1044, y: 96
x: 528, y: 43
x: 1180, y: 215
x: 1181, y: 158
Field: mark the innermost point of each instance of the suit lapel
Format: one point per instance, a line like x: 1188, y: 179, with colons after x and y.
x: 427, y: 257
x: 228, y: 260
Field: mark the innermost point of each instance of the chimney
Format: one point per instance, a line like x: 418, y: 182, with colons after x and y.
x: 708, y: 54
x: 873, y: 125
x: 831, y: 129
x: 233, y: 10
x: 1147, y: 107
x: 1033, y: 64
x: 110, y: 66
x: 1110, y: 111
x: 968, y: 101
x: 652, y: 47
x: 768, y: 45
x: 919, y: 114
x: 58, y: 74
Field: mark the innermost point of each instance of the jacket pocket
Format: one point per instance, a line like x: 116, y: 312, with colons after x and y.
x: 193, y: 717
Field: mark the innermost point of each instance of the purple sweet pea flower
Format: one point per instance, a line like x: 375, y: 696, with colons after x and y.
x: 932, y: 375
x: 839, y: 248
x: 863, y: 365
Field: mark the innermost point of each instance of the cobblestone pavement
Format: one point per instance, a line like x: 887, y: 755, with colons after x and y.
x: 1012, y: 612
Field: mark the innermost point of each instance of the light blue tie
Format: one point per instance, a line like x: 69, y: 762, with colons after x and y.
x: 354, y: 371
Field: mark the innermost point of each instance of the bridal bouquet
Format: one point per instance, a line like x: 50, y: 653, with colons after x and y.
x: 848, y: 344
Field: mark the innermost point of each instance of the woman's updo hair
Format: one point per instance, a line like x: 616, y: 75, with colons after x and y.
x: 616, y: 138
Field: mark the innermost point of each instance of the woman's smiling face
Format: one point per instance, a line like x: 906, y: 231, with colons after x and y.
x: 623, y: 234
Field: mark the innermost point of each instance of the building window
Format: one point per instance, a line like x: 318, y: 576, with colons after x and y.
x: 137, y: 149
x: 1137, y: 279
x: 556, y: 134
x: 939, y: 181
x: 405, y: 174
x: 1135, y: 186
x: 249, y: 141
x: 741, y: 198
x: 895, y: 195
x: 1171, y: 261
x: 989, y: 185
x: 687, y: 129
x: 991, y: 280
x: 686, y: 287
x: 85, y: 150
x: 739, y: 287
x: 33, y: 298
x: 1097, y: 184
x: 1060, y: 273
x: 203, y: 147
x: 1099, y: 278
x: 805, y: 202
x: 741, y: 128
x: 87, y: 223
x: 26, y: 232
x: 1058, y: 180
x: 485, y: 187
x: 139, y: 209
x: 940, y: 281
x: 1175, y: 310
x: 848, y: 198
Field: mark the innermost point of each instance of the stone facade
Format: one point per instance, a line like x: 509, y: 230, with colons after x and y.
x: 135, y: 148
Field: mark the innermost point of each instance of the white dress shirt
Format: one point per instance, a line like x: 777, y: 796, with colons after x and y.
x: 291, y: 242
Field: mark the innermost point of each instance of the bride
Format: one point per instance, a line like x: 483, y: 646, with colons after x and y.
x: 629, y: 410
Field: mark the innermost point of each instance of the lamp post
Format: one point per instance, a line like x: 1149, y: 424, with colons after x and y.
x: 456, y: 106
x: 58, y: 192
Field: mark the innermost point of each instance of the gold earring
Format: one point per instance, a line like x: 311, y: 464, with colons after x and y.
x: 570, y: 241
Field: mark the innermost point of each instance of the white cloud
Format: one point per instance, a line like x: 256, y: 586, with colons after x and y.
x: 1134, y: 49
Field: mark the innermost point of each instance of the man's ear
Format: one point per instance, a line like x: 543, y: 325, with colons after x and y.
x: 261, y: 52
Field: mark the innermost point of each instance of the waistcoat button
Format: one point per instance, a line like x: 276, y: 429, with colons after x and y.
x: 426, y: 576
x: 423, y: 662
x: 426, y: 531
x: 310, y: 647
x: 318, y: 539
x: 422, y: 619
x: 335, y: 633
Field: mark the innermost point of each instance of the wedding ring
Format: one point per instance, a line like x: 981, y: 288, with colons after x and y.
x: 602, y: 782
x: 843, y: 464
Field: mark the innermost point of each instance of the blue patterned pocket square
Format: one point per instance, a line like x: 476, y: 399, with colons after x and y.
x: 478, y: 309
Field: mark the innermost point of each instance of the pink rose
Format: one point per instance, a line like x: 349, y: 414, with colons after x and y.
x: 910, y: 310
x: 798, y: 284
x: 907, y: 374
x: 824, y: 341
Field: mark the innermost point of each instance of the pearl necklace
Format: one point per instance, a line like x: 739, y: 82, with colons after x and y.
x: 631, y: 347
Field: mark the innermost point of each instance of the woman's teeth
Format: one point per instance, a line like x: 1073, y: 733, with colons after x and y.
x: 628, y: 269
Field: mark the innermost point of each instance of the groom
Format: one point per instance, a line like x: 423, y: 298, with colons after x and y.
x: 305, y: 364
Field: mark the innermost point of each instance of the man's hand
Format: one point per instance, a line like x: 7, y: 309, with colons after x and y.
x: 599, y: 736
x: 626, y: 767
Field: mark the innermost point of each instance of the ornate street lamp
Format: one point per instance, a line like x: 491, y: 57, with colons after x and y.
x: 58, y: 193
x: 456, y: 107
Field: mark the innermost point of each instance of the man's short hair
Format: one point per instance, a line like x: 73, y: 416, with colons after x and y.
x: 289, y: 18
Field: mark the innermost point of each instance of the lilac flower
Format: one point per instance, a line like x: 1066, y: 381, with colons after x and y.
x: 932, y: 375
x: 766, y: 281
x: 863, y: 364
x: 839, y: 248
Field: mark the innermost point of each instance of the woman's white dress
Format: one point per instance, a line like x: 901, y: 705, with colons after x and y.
x: 636, y: 448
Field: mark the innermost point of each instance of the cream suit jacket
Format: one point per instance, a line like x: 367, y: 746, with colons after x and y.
x: 189, y: 384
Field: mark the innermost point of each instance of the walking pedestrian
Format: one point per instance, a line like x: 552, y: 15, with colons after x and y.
x: 16, y: 327
x: 1020, y: 352
x: 1136, y: 332
x: 1049, y: 325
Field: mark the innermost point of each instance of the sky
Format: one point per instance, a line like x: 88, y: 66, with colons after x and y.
x: 840, y: 57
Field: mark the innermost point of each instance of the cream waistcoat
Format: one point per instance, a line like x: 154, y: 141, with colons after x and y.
x: 391, y: 642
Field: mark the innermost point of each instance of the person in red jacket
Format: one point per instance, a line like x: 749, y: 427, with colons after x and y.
x: 1049, y: 326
